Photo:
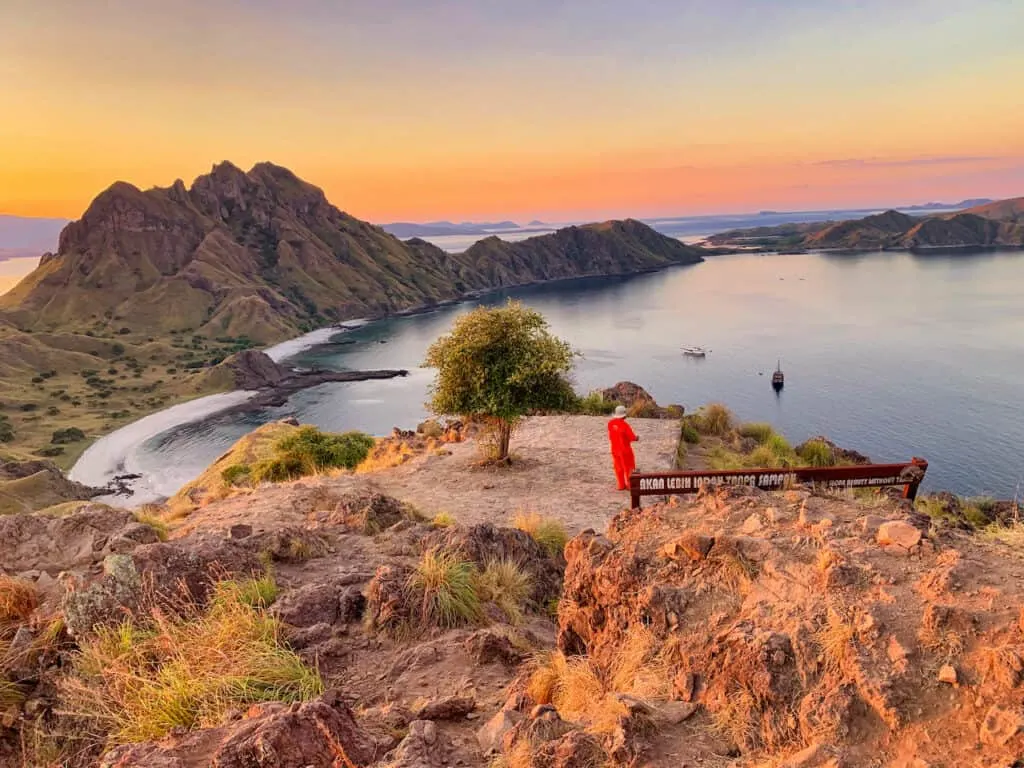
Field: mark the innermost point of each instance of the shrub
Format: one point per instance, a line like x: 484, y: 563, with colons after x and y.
x: 714, y: 419
x: 50, y: 451
x: 817, y: 453
x: 430, y: 428
x: 278, y: 470
x: 29, y: 407
x: 6, y: 430
x: 235, y: 473
x: 117, y: 349
x: 758, y: 431
x: 444, y: 591
x: 18, y: 599
x: 505, y: 583
x: 594, y: 404
x: 67, y: 435
x: 318, y: 451
x: 546, y: 531
x: 690, y: 434
x: 139, y: 683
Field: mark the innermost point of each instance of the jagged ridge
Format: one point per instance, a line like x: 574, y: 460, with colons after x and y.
x: 265, y: 255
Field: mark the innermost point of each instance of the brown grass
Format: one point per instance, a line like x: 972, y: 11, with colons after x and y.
x: 138, y: 682
x: 18, y: 600
x: 443, y: 589
x: 587, y: 692
x: 546, y: 531
x: 505, y: 584
x: 836, y: 641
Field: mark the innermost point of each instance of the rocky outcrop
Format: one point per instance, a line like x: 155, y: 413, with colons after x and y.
x: 485, y: 542
x: 316, y: 733
x: 830, y: 647
x: 171, y: 575
x: 26, y: 486
x: 639, y: 402
x: 42, y: 544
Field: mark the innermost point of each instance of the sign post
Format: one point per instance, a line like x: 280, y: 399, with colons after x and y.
x: 909, y: 475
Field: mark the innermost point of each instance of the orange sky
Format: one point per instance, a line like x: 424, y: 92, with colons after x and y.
x: 518, y: 109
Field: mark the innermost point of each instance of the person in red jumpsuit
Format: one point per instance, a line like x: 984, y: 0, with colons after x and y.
x: 622, y: 437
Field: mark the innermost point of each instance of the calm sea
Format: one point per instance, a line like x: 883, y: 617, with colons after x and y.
x: 892, y: 354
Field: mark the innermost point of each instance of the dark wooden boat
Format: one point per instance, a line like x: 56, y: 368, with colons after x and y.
x: 778, y: 379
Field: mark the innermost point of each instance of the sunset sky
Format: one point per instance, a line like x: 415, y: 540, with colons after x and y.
x: 554, y: 109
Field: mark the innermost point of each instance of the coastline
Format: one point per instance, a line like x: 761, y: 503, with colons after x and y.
x: 116, y: 453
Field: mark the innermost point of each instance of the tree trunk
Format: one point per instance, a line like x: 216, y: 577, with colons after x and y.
x: 504, y: 437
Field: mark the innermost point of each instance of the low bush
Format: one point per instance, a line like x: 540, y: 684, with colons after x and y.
x: 594, y: 404
x: 546, y: 531
x: 443, y: 591
x: 714, y: 419
x: 139, y: 682
x: 689, y: 433
x: 817, y: 453
x: 67, y: 435
x: 235, y: 474
x: 319, y: 451
x: 6, y: 430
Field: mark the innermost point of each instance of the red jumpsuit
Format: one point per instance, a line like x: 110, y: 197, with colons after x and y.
x: 621, y: 437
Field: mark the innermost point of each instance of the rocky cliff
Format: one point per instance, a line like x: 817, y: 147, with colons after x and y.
x: 264, y: 255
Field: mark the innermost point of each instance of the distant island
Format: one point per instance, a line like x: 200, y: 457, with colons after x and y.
x: 988, y: 224
x: 407, y: 229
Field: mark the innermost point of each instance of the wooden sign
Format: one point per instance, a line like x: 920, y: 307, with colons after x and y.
x: 908, y: 475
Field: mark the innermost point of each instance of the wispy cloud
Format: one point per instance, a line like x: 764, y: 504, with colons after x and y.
x: 908, y: 162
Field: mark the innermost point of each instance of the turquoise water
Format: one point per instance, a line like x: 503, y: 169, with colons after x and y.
x: 892, y: 354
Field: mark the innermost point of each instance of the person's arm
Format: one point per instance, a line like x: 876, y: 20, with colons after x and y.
x: 632, y: 435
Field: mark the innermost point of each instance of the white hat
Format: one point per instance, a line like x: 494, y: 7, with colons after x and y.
x: 620, y: 412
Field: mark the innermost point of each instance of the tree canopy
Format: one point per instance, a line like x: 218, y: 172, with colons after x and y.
x: 500, y: 364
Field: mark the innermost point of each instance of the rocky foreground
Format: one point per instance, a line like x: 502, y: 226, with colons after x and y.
x: 737, y: 628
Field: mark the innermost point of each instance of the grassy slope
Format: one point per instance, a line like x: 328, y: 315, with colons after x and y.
x: 133, y: 377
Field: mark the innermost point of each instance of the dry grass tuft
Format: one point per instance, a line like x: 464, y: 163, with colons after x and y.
x: 714, y: 419
x: 137, y: 683
x: 836, y: 641
x: 586, y: 692
x: 505, y: 583
x: 150, y: 514
x: 386, y: 454
x: 546, y: 531
x: 1011, y: 535
x: 443, y: 520
x: 18, y: 599
x: 444, y: 591
x: 1002, y: 664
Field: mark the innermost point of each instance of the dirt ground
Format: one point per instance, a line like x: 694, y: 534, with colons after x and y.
x: 562, y: 469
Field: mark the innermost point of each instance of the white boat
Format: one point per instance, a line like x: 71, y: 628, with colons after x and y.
x: 695, y: 351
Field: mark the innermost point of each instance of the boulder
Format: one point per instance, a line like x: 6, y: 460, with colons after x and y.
x: 314, y: 733
x: 898, y: 533
x: 423, y: 747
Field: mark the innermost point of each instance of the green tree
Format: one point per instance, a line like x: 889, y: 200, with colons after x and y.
x: 498, y: 365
